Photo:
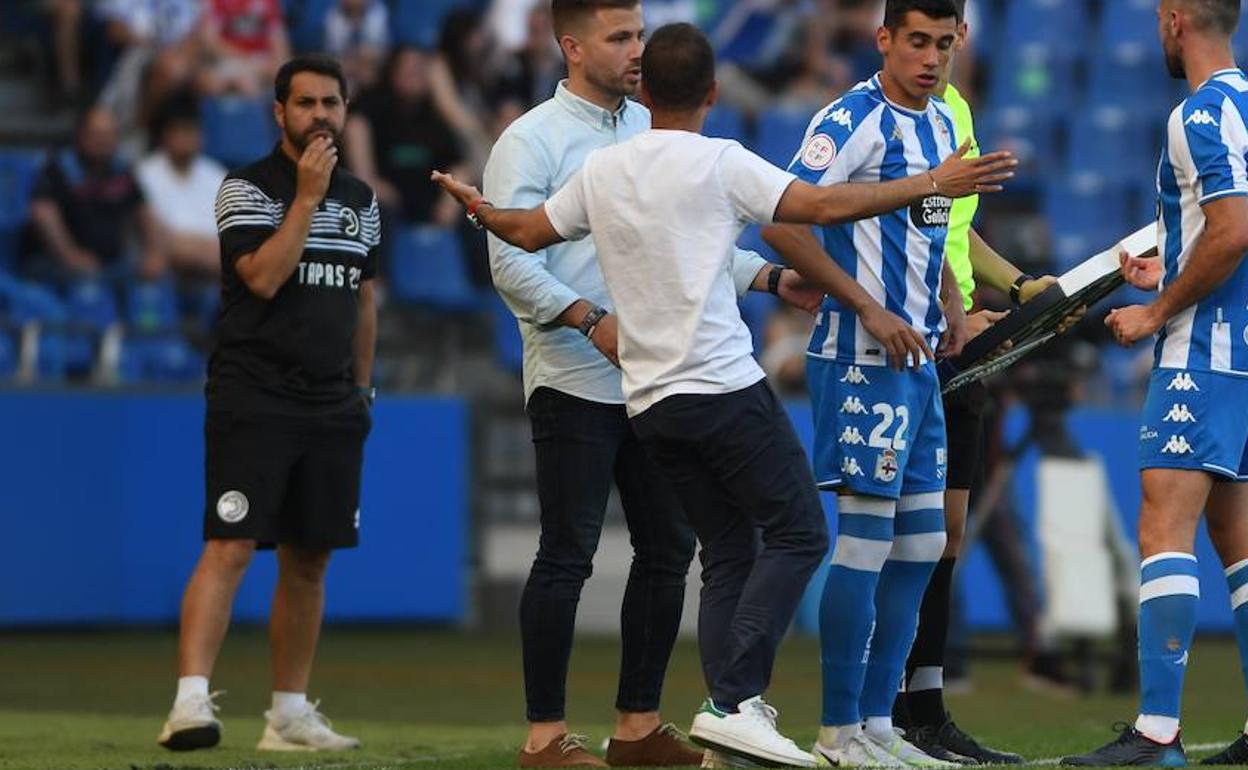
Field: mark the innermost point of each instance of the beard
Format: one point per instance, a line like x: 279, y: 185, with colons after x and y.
x: 609, y: 82
x: 1174, y: 65
x: 300, y: 141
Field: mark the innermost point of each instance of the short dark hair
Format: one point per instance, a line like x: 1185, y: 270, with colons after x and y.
x: 1221, y: 16
x: 678, y: 67
x: 895, y: 11
x: 566, y: 13
x: 313, y: 62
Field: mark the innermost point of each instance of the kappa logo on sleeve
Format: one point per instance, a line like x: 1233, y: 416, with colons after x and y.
x: 1201, y: 118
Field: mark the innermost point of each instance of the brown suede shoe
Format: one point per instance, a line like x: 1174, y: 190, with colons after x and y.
x: 567, y: 750
x: 665, y: 747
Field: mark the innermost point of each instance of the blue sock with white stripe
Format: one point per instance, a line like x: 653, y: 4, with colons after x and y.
x: 1237, y: 582
x: 1169, y: 596
x: 847, y: 611
x: 918, y: 542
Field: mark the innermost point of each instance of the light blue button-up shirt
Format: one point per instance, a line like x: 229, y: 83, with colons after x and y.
x: 533, y: 158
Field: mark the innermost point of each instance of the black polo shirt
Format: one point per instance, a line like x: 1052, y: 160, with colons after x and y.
x: 291, y: 354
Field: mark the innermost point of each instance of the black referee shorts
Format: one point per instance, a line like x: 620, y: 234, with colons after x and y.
x: 964, y: 431
x: 284, y: 480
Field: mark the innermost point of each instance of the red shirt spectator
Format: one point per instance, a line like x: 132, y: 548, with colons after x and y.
x: 247, y: 26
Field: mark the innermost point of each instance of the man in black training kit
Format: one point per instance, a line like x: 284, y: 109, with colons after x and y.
x: 288, y: 404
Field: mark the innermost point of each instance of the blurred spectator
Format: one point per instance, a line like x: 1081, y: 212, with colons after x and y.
x: 506, y: 22
x: 530, y: 75
x: 66, y: 18
x: 244, y: 42
x: 357, y: 32
x: 462, y: 80
x: 159, y: 53
x: 395, y: 136
x: 181, y: 184
x: 85, y: 207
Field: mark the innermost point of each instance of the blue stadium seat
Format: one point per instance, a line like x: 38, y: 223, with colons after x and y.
x: 508, y: 345
x: 1059, y: 28
x: 1030, y: 135
x: 151, y: 306
x: 52, y: 358
x: 419, y: 22
x: 8, y: 354
x: 162, y: 358
x: 91, y: 304
x: 1035, y: 78
x: 306, y: 21
x: 1087, y: 213
x: 237, y: 130
x: 725, y: 122
x: 427, y: 267
x: 780, y: 135
x: 1112, y: 142
x: 34, y: 303
x: 18, y: 170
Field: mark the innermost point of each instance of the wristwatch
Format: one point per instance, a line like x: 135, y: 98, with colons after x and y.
x: 591, y: 319
x: 773, y: 279
x: 1017, y: 287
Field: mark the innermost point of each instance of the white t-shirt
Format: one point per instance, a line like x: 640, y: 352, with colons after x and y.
x: 183, y: 203
x: 665, y: 209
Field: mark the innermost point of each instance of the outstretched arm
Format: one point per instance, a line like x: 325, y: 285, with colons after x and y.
x: 528, y: 229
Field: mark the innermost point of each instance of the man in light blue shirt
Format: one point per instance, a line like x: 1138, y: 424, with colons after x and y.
x: 575, y: 402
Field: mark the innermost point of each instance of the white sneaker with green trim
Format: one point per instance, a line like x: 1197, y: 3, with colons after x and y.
x: 749, y: 734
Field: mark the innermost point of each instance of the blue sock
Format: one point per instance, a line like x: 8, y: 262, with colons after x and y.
x: 1237, y: 581
x: 847, y: 611
x: 919, y: 541
x: 1169, y: 595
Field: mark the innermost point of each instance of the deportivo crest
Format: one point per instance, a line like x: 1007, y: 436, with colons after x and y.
x: 886, y: 466
x: 232, y: 507
x: 350, y: 221
x: 819, y: 152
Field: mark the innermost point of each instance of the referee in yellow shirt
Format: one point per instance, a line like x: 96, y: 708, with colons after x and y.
x: 921, y: 708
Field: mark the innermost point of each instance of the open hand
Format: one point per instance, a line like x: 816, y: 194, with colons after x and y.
x: 465, y: 194
x: 902, y: 343
x: 1141, y: 272
x: 959, y: 176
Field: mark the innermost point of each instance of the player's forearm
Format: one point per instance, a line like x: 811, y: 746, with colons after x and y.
x: 364, y: 344
x: 849, y: 202
x: 268, y: 267
x: 990, y: 267
x: 521, y: 228
x: 801, y: 251
x: 1216, y: 255
x: 950, y: 291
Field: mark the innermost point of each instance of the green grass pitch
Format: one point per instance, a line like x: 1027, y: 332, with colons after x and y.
x: 440, y: 699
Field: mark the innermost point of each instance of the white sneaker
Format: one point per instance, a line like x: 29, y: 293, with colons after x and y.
x: 192, y: 724
x: 904, y: 751
x: 855, y: 751
x: 749, y: 734
x: 309, y: 730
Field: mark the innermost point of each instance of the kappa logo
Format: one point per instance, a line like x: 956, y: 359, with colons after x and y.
x: 1183, y: 382
x: 232, y: 507
x: 842, y: 117
x: 852, y: 436
x: 886, y: 466
x: 350, y: 221
x: 897, y: 134
x: 1182, y: 661
x: 1177, y: 445
x: 854, y: 376
x: 850, y: 467
x: 1201, y: 118
x: 853, y: 405
x: 1179, y: 413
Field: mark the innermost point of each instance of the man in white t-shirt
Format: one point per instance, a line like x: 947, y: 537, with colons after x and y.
x: 180, y: 184
x: 665, y: 209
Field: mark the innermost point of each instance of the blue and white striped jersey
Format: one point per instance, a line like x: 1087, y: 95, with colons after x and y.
x: 897, y: 257
x: 1203, y: 159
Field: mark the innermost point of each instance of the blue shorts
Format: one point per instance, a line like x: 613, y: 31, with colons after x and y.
x: 878, y: 431
x: 1196, y: 421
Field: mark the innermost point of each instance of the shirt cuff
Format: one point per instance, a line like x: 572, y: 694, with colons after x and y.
x: 745, y: 267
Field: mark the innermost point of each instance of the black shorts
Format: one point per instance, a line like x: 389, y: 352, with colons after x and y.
x: 964, y: 432
x: 284, y: 480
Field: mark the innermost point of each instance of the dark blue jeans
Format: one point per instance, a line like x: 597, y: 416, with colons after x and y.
x: 582, y: 446
x: 741, y: 472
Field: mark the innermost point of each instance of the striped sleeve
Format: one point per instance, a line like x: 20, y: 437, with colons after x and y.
x: 370, y: 231
x: 246, y: 218
x: 822, y: 159
x: 1216, y: 142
